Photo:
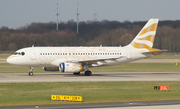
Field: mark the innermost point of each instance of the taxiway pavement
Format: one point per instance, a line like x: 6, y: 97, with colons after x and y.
x: 168, y: 104
x: 96, y: 76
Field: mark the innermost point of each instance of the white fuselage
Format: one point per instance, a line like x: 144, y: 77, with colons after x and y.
x: 53, y: 56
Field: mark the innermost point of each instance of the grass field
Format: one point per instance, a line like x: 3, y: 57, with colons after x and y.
x: 15, y: 94
x: 4, y: 56
x: 164, y: 57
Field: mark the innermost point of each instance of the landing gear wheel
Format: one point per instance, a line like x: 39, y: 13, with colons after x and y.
x: 77, y: 73
x: 88, y: 73
x: 30, y: 73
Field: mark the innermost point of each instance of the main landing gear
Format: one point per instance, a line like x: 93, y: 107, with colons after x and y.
x: 76, y: 73
x: 87, y: 73
x: 31, y: 71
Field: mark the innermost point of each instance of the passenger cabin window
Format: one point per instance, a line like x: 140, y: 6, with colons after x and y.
x: 80, y: 54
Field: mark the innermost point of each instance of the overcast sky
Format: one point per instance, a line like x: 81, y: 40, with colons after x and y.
x: 17, y: 13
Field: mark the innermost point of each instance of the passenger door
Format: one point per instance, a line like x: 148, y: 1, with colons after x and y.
x: 33, y: 54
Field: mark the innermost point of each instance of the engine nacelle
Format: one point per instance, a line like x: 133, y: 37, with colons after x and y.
x: 51, y: 68
x: 70, y: 67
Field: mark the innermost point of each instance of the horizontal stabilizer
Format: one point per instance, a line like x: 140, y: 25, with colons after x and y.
x: 155, y: 51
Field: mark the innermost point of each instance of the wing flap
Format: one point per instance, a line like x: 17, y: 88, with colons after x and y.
x: 99, y: 59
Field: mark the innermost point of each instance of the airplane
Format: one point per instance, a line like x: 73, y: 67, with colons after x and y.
x: 77, y: 59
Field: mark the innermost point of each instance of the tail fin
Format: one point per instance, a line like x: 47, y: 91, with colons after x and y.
x: 145, y: 38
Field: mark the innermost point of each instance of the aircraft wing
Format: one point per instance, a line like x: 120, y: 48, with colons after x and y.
x: 99, y: 60
x: 103, y: 59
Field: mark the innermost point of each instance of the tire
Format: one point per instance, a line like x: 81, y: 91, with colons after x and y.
x: 88, y: 73
x: 30, y: 73
x: 76, y: 73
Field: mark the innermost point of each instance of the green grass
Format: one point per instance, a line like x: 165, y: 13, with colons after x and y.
x: 164, y: 57
x: 4, y: 56
x: 8, y: 68
x: 140, y: 67
x: 16, y: 94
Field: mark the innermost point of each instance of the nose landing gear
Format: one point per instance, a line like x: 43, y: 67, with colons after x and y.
x: 31, y: 71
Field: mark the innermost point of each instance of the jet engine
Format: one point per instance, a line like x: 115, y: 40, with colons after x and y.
x: 70, y: 67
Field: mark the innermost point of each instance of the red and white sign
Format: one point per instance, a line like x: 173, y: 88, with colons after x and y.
x: 164, y: 87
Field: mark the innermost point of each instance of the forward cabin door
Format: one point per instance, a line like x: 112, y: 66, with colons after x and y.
x: 33, y: 54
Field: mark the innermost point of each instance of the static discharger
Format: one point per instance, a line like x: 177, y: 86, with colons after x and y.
x: 66, y: 98
x: 161, y: 88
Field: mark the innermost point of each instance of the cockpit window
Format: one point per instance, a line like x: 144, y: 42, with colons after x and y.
x: 15, y: 53
x: 19, y: 53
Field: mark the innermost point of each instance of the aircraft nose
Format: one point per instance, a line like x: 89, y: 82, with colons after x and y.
x: 10, y: 60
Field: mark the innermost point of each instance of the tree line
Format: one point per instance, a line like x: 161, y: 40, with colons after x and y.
x: 91, y: 33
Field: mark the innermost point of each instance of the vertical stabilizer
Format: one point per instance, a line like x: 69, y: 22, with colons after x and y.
x: 145, y: 38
